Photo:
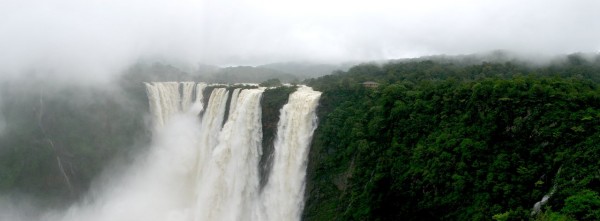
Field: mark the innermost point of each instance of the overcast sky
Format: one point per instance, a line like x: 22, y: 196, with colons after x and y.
x: 90, y: 38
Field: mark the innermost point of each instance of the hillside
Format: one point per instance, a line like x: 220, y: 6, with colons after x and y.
x: 450, y: 141
x: 304, y: 70
x: 247, y: 74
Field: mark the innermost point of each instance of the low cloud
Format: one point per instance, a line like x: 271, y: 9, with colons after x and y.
x: 94, y: 40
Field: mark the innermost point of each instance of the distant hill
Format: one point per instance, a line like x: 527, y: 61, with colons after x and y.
x: 144, y: 72
x: 285, y: 72
x: 156, y: 72
x: 304, y: 70
x: 248, y: 74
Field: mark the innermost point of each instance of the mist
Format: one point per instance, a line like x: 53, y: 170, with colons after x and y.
x: 152, y: 188
x: 149, y: 188
x: 94, y: 41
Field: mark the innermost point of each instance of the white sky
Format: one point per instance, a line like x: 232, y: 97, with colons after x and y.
x: 89, y: 39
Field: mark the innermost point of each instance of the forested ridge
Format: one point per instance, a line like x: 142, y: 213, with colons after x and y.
x: 445, y: 140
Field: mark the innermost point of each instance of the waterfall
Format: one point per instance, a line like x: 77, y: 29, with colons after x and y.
x: 229, y: 182
x: 283, y: 195
x: 165, y: 100
x: 202, y: 169
x: 186, y: 95
x: 233, y: 103
x: 198, y: 104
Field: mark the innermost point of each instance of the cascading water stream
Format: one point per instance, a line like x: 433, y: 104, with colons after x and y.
x: 164, y: 101
x: 187, y: 91
x: 234, y: 100
x: 211, y: 127
x: 282, y: 198
x: 198, y: 105
x: 228, y: 184
x: 537, y: 207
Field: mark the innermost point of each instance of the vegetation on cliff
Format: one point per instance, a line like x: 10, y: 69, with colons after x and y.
x: 449, y: 141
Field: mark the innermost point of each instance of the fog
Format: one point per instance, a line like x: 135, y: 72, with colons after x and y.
x: 153, y: 188
x: 95, y: 40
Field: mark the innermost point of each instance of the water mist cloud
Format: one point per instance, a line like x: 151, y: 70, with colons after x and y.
x: 155, y: 187
x: 93, y: 40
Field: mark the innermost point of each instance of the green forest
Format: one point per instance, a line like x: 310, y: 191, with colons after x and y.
x: 439, y: 138
x: 445, y: 140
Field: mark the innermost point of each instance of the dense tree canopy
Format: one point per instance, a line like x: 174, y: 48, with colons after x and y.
x: 446, y: 141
